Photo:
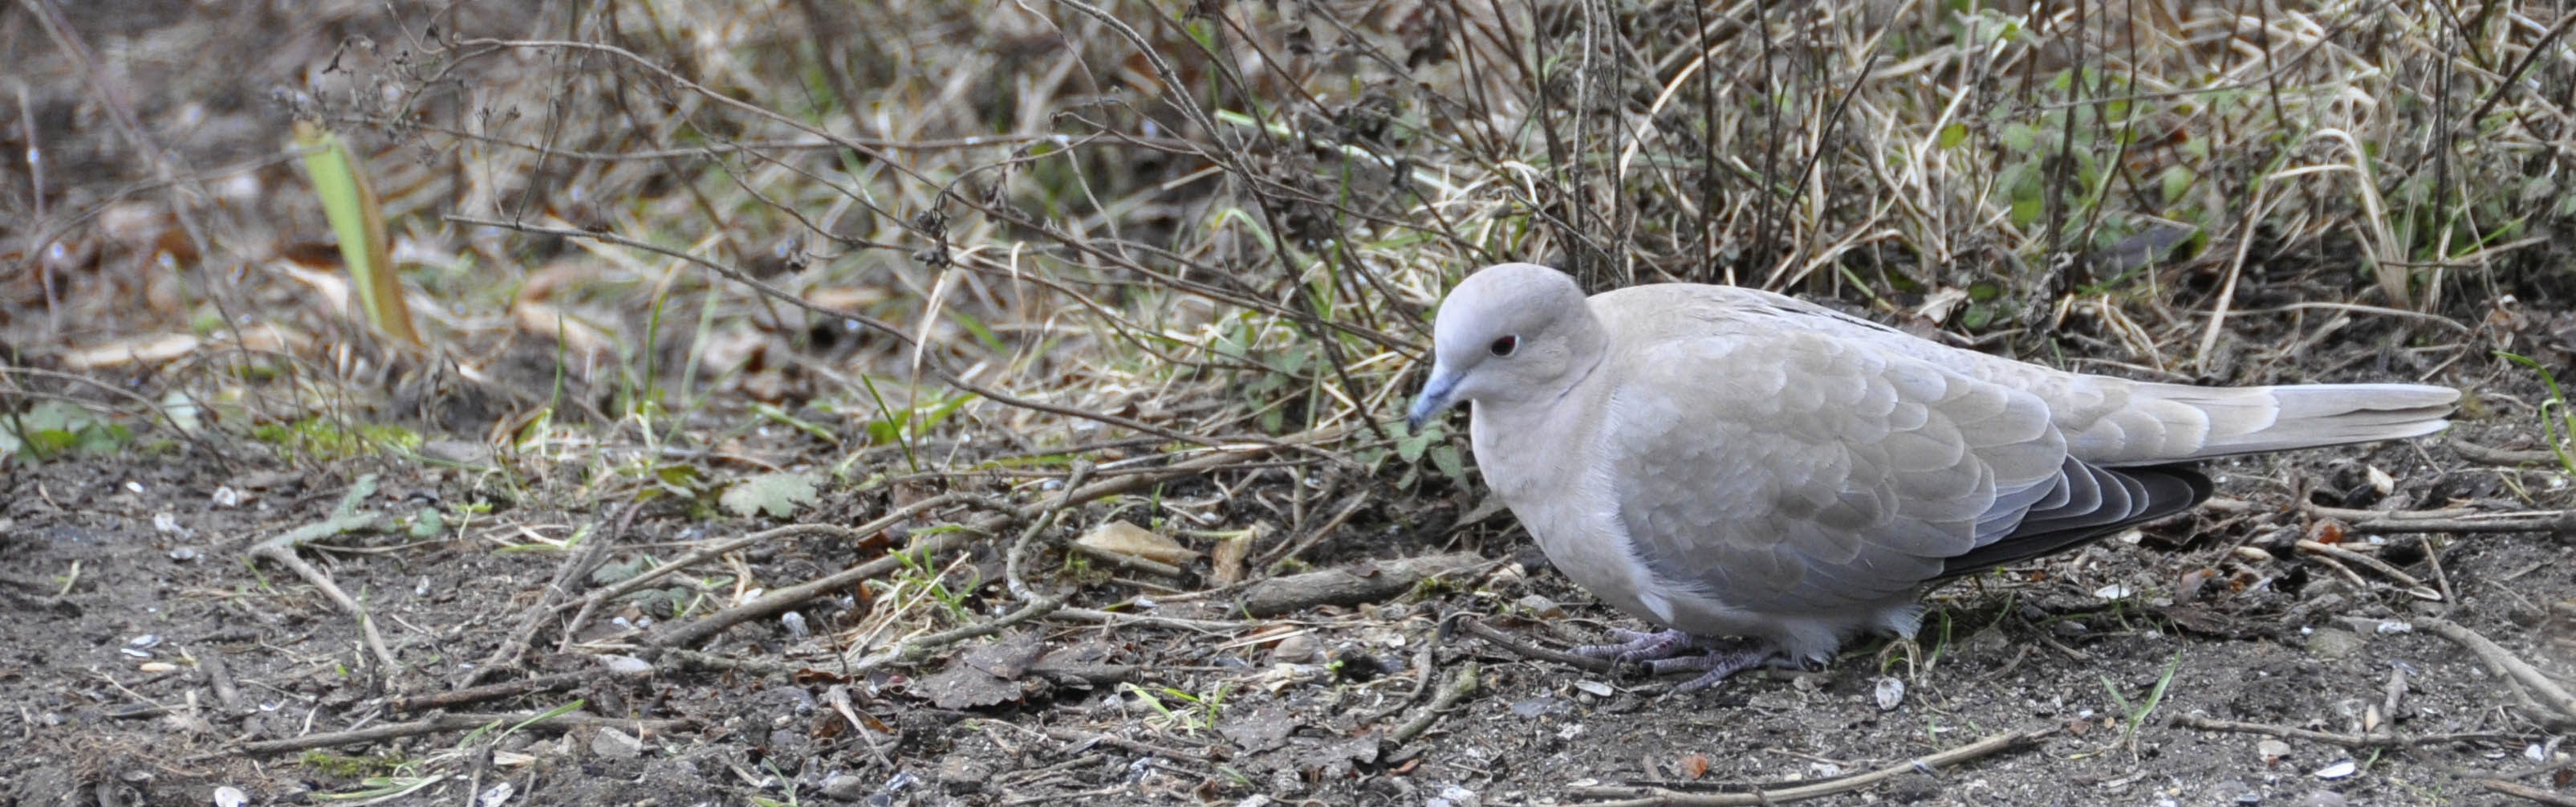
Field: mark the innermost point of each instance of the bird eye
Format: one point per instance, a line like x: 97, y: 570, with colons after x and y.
x: 1504, y: 346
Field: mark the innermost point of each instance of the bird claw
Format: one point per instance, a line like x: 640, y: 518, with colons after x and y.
x: 1638, y: 646
x: 1717, y: 664
x: 1661, y: 651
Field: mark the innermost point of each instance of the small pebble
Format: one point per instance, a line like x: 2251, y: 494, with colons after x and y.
x: 1541, y: 607
x: 613, y: 744
x: 1300, y: 648
x: 1890, y: 693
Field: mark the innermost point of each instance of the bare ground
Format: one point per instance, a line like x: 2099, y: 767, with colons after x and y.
x: 158, y: 655
x: 155, y: 663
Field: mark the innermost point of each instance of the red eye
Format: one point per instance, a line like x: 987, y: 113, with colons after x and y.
x: 1505, y: 345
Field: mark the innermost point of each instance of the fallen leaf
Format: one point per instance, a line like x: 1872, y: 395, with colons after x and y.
x: 984, y: 675
x: 1695, y: 765
x: 779, y: 495
x: 1122, y: 538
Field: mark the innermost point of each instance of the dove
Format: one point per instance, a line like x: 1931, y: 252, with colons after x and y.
x: 1764, y: 478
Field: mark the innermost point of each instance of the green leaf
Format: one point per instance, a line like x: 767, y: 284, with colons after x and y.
x: 2175, y: 180
x: 358, y: 221
x: 1976, y: 317
x: 1953, y: 134
x: 779, y: 495
x: 427, y: 524
x: 2025, y: 210
x: 1446, y: 456
x: 1410, y: 448
x: 2019, y: 137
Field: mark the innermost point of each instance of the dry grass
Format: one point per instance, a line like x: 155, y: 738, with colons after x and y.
x: 1228, y: 223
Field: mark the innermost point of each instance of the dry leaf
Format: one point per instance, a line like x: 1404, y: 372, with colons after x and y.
x: 1695, y: 765
x: 1122, y: 538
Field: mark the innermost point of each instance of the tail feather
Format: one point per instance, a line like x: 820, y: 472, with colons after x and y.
x: 2163, y: 423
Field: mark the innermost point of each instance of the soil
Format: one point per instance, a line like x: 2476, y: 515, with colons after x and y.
x: 150, y: 651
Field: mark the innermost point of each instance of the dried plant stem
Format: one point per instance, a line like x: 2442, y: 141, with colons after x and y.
x: 1662, y: 797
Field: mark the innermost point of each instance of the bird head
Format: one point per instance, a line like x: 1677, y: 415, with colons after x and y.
x: 1509, y: 333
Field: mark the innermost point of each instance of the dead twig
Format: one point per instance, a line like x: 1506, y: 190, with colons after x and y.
x: 1352, y: 585
x: 2414, y: 588
x: 576, y: 566
x: 789, y: 597
x: 2502, y: 456
x: 1081, y: 739
x: 1128, y: 562
x: 505, y: 689
x: 2376, y: 739
x: 780, y: 601
x: 2528, y: 792
x: 629, y: 585
x: 1115, y: 619
x: 1460, y: 685
x: 1505, y: 641
x: 1425, y: 663
x: 454, y: 722
x: 1654, y: 796
x: 344, y: 518
x: 2547, y: 692
x: 921, y: 646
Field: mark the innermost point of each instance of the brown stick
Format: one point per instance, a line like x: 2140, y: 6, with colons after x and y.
x: 780, y: 601
x: 2547, y: 692
x: 2378, y: 739
x: 455, y: 722
x: 1505, y: 641
x: 1656, y: 796
x: 1461, y: 684
x: 1352, y: 585
x: 576, y: 565
x: 2502, y: 456
x: 2528, y: 792
x: 2414, y: 587
x: 346, y: 517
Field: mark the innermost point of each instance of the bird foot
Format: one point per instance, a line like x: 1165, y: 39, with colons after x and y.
x: 1638, y: 645
x: 1718, y: 663
x: 1662, y: 651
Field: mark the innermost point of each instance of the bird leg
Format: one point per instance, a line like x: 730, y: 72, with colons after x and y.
x: 1638, y: 645
x: 1722, y: 659
x: 1662, y: 651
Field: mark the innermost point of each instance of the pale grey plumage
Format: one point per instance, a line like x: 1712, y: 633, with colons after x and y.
x: 1731, y: 462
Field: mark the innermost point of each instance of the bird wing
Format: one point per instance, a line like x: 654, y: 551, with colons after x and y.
x: 1773, y: 466
x: 2121, y: 423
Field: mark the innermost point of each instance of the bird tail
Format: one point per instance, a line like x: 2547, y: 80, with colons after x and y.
x: 2246, y: 420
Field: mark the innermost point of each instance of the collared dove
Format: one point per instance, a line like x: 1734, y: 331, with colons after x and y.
x: 1728, y: 462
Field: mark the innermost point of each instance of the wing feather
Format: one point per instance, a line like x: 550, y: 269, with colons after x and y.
x: 1843, y: 481
x: 1775, y: 467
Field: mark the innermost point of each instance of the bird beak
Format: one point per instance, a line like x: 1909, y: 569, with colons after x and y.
x: 1433, y: 400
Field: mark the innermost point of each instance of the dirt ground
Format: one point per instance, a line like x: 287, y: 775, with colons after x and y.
x: 147, y: 653
x: 484, y: 636
x: 154, y: 661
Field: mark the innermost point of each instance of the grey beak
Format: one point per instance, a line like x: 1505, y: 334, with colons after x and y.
x: 1433, y: 400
